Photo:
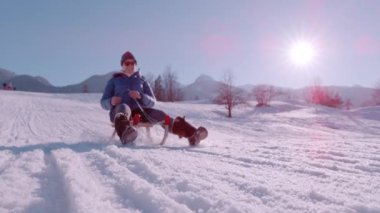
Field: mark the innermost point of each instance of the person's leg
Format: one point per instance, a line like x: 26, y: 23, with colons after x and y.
x: 178, y: 126
x: 182, y: 128
x: 120, y: 116
x: 124, y: 108
x: 150, y: 115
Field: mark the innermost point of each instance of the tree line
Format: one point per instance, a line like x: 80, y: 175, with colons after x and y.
x: 167, y: 89
x: 230, y: 96
x: 165, y: 86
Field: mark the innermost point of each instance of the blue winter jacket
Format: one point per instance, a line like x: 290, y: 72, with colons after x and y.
x: 120, y: 84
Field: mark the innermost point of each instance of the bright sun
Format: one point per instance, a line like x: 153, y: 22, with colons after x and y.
x: 302, y: 53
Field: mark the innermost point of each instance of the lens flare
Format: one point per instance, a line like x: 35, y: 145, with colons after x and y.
x: 302, y: 53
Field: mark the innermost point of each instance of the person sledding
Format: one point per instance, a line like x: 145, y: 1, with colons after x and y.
x: 128, y: 94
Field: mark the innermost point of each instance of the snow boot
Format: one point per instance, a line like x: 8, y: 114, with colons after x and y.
x: 200, y: 134
x: 182, y: 128
x: 124, y: 130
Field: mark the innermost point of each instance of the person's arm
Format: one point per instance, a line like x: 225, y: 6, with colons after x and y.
x: 108, y: 93
x: 147, y: 97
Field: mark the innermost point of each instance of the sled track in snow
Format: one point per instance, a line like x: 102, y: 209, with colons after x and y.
x: 137, y: 191
x: 53, y: 189
x: 145, y: 169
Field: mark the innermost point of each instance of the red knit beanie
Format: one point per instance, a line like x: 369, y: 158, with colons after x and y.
x: 125, y: 56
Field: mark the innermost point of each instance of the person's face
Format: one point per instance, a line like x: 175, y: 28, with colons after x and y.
x: 129, y: 65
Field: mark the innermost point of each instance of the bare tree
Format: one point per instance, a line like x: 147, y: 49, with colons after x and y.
x: 315, y: 94
x: 158, y: 89
x: 178, y: 94
x: 149, y: 77
x: 347, y: 104
x: 171, y: 86
x: 322, y: 96
x: 264, y: 94
x: 376, y: 94
x: 228, y: 95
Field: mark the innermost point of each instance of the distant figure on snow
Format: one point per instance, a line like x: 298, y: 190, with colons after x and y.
x: 127, y: 93
x: 8, y: 86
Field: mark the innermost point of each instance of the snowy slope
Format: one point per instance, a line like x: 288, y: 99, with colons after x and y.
x: 56, y: 155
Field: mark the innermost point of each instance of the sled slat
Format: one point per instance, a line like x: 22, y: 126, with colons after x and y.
x: 165, y: 135
x: 147, y: 126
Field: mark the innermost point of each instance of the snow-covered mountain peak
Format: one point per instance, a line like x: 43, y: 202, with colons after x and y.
x: 204, y: 78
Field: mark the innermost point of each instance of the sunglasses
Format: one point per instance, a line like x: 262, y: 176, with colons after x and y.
x: 129, y: 63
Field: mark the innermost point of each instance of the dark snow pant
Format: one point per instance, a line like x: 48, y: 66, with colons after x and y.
x: 149, y: 115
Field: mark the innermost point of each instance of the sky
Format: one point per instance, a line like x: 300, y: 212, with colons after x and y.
x: 69, y: 41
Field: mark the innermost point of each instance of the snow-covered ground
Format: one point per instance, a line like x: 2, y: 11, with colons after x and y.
x: 56, y: 155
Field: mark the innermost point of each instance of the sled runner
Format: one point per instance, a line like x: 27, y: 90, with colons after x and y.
x: 136, y: 123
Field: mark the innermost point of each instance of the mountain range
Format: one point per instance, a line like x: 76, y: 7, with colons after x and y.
x: 94, y: 84
x: 204, y: 87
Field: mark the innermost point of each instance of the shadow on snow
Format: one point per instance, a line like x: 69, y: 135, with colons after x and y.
x: 81, y: 147
x: 49, y: 147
